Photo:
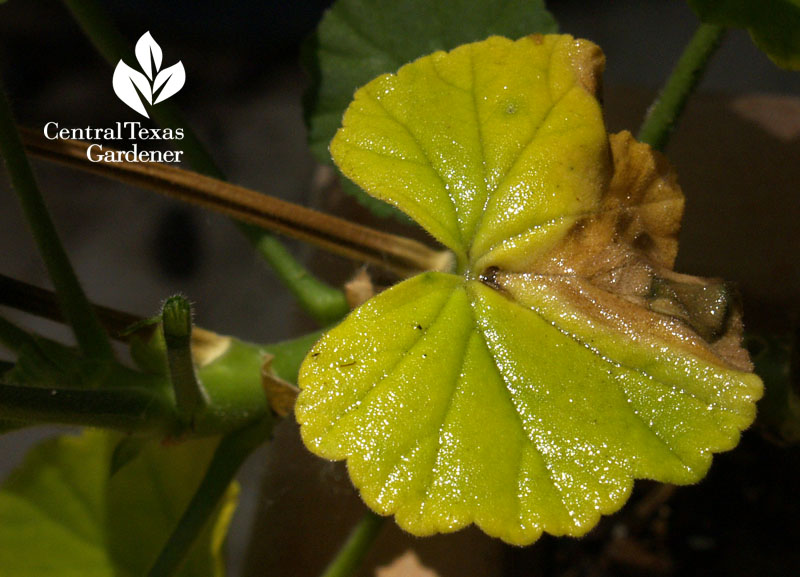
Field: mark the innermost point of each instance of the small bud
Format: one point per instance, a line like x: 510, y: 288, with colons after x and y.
x: 177, y: 318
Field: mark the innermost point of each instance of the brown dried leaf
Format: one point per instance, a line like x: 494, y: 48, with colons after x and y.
x: 615, y: 265
x: 281, y: 394
x: 208, y: 346
x: 359, y: 289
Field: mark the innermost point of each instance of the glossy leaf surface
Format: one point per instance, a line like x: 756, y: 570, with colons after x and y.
x: 359, y: 39
x: 773, y: 24
x: 63, y: 514
x: 461, y: 147
x: 565, y: 358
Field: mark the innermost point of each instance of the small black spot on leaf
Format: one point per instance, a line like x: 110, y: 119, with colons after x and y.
x: 643, y: 241
x: 489, y: 277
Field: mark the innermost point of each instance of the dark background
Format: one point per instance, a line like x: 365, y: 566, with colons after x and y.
x: 736, y: 153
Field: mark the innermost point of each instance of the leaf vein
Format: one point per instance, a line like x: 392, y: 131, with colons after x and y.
x: 616, y: 364
x: 673, y: 386
x: 359, y: 403
x: 521, y: 423
x: 520, y: 154
x: 427, y: 157
x: 445, y: 414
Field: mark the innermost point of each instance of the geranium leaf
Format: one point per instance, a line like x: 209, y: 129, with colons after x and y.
x: 565, y: 358
x: 63, y: 513
x: 463, y: 175
x: 773, y: 24
x: 359, y: 39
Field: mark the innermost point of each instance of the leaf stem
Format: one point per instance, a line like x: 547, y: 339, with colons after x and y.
x: 288, y: 354
x: 663, y: 115
x: 91, y: 337
x: 228, y: 458
x: 356, y: 547
x: 126, y: 409
x: 401, y: 255
x: 320, y: 300
x: 326, y: 306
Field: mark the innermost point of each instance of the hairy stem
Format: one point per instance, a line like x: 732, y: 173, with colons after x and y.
x: 356, y: 547
x: 91, y: 337
x: 320, y: 300
x: 228, y: 458
x: 176, y: 322
x: 288, y: 354
x: 662, y: 118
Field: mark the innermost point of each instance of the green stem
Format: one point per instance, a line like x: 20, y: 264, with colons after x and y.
x: 356, y: 548
x: 176, y: 321
x: 123, y: 409
x: 91, y: 337
x: 326, y: 304
x: 322, y: 301
x: 228, y: 458
x: 664, y: 113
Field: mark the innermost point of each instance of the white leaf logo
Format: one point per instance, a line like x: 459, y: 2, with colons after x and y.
x: 168, y: 82
x: 148, y: 53
x: 129, y: 84
x: 154, y: 85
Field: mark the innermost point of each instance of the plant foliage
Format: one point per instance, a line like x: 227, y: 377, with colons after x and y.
x: 564, y: 358
x: 773, y: 24
x: 66, y: 514
x: 359, y: 39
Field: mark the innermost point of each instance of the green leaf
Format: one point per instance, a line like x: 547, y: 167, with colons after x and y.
x: 359, y: 39
x: 565, y: 359
x: 502, y: 134
x: 62, y: 513
x: 773, y: 24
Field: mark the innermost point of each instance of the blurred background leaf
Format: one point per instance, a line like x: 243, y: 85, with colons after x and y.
x: 63, y: 513
x: 774, y: 25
